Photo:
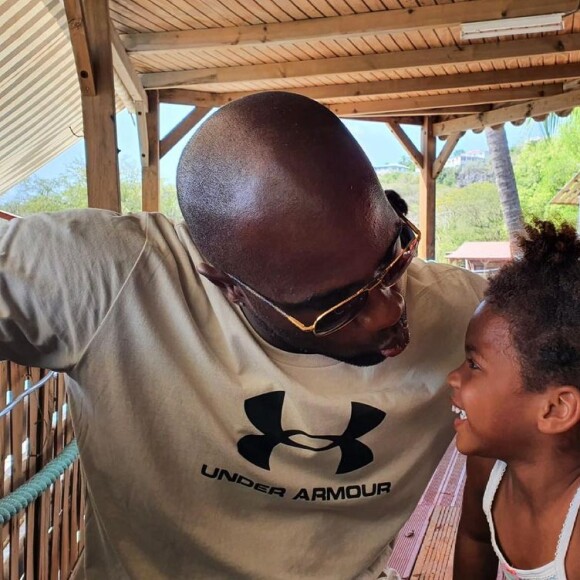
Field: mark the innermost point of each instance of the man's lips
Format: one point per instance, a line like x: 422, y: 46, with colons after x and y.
x: 398, y: 340
x: 393, y: 351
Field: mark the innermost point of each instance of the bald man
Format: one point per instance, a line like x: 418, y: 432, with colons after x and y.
x: 258, y: 393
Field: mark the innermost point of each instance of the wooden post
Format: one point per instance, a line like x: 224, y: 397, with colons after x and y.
x: 99, y: 113
x: 427, y: 192
x: 150, y: 174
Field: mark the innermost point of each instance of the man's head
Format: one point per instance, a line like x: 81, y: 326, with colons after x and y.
x: 277, y: 193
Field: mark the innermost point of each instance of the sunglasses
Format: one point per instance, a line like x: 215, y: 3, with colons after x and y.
x: 347, y: 310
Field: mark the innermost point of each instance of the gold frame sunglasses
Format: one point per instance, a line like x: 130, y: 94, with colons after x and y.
x: 348, y: 309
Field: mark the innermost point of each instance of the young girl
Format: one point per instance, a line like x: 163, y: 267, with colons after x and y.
x: 517, y: 397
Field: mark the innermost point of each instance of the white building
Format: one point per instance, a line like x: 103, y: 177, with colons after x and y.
x: 392, y: 168
x: 465, y: 157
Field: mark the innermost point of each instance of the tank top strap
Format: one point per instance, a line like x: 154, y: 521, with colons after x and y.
x: 566, y: 532
x: 493, y: 482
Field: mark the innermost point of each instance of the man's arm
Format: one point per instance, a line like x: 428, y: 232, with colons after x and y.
x: 59, y: 275
x: 474, y: 555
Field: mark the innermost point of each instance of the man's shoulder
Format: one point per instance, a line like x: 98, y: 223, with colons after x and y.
x: 80, y: 223
x: 106, y: 232
x: 445, y: 280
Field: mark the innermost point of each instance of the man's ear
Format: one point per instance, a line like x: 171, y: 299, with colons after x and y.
x: 560, y: 410
x: 228, y: 286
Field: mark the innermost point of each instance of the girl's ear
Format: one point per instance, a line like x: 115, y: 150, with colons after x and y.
x: 560, y: 410
x: 228, y: 286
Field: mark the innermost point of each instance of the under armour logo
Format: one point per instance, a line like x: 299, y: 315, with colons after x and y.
x: 265, y: 413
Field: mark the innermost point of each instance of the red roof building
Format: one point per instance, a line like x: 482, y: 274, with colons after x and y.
x: 481, y: 257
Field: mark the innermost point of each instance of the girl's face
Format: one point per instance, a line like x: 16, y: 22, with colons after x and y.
x: 495, y: 415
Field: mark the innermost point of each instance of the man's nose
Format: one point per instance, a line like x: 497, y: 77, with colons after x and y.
x: 383, y: 309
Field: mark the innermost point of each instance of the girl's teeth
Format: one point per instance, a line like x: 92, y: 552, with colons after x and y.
x: 462, y: 414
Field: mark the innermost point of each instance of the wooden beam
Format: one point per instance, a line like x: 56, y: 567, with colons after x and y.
x: 501, y: 115
x: 99, y: 113
x: 443, y: 156
x: 406, y: 143
x: 181, y: 129
x: 132, y: 83
x: 444, y: 101
x: 196, y: 98
x: 427, y: 193
x: 383, y: 119
x: 559, y: 72
x: 379, y: 22
x: 571, y: 85
x: 125, y: 70
x: 463, y: 110
x: 80, y: 46
x: 150, y: 174
x: 406, y: 59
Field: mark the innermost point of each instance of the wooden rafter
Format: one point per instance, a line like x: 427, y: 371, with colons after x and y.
x: 560, y: 72
x: 462, y: 110
x: 80, y: 45
x: 399, y: 120
x: 501, y: 115
x: 443, y: 101
x: 443, y: 156
x: 385, y: 21
x: 391, y: 87
x: 138, y: 98
x: 125, y: 70
x: 406, y: 143
x: 181, y: 129
x: 528, y: 47
x: 191, y: 97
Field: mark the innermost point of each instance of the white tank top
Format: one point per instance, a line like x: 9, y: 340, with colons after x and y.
x: 555, y: 570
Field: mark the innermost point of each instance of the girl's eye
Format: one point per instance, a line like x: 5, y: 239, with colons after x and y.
x: 472, y: 364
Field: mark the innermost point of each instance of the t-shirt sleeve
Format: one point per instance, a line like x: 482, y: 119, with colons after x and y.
x: 478, y: 284
x: 60, y: 274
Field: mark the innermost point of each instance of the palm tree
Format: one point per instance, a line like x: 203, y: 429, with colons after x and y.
x: 506, y: 182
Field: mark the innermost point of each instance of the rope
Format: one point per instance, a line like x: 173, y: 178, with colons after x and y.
x: 23, y: 496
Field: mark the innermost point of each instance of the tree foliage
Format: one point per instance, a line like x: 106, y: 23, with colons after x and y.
x: 69, y: 190
x: 470, y: 213
x: 544, y: 166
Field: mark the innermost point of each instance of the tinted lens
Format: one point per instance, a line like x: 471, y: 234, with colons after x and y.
x: 407, y: 235
x: 395, y: 269
x: 339, y: 317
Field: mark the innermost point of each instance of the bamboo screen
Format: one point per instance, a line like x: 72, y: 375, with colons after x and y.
x: 44, y: 540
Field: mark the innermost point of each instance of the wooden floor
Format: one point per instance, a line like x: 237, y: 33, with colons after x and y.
x: 424, y: 547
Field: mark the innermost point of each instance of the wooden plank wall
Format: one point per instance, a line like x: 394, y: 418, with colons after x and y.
x: 44, y: 541
x: 424, y: 546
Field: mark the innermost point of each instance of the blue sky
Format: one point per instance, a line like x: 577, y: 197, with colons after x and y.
x: 377, y: 141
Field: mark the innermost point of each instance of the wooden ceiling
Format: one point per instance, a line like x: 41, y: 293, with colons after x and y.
x: 386, y: 60
x: 381, y: 59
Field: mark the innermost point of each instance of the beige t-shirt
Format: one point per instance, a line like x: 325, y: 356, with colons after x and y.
x: 209, y: 453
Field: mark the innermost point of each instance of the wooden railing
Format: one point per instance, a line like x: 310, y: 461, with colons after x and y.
x: 44, y: 540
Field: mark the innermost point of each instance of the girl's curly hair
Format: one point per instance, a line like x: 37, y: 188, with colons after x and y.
x: 539, y: 295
